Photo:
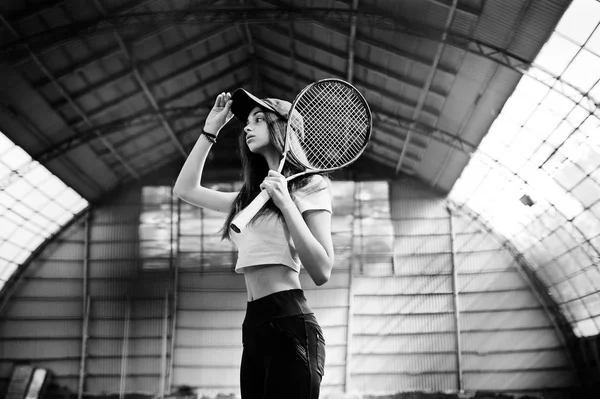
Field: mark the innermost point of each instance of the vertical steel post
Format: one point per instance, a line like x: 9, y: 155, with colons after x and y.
x: 455, y: 288
x: 175, y: 298
x: 84, y: 339
x: 163, y: 355
x: 348, y: 373
x: 125, y: 350
x: 86, y: 305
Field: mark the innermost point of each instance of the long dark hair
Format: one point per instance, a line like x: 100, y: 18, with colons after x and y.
x: 255, y: 169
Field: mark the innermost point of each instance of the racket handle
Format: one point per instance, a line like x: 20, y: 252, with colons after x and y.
x: 245, y: 215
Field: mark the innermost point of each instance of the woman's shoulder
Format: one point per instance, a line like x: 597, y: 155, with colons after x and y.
x: 314, y: 184
x: 318, y: 182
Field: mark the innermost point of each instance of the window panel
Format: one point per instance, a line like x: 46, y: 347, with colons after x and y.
x: 31, y: 245
x: 566, y: 290
x: 595, y: 97
x: 579, y: 21
x: 583, y: 71
x: 540, y: 156
x: 540, y: 125
x: 501, y: 133
x: 583, y: 284
x: 560, y: 134
x: 6, y: 270
x: 15, y: 158
x: 5, y: 145
x: 374, y: 190
x: 558, y: 104
x: 588, y: 223
x: 556, y: 54
x: 569, y: 175
x: 585, y: 328
x: 9, y: 250
x: 519, y: 108
x: 52, y: 186
x: 588, y: 192
x: 593, y: 43
x: 568, y: 205
x: 589, y: 159
x: 37, y: 175
x: 200, y: 243
x: 579, y: 310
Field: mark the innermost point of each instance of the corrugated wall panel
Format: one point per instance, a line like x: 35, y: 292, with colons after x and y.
x: 43, y: 308
x: 37, y: 328
x: 56, y: 269
x: 422, y: 264
x: 507, y: 340
x: 383, y: 383
x: 518, y: 380
x: 403, y: 285
x: 40, y: 349
x: 403, y: 331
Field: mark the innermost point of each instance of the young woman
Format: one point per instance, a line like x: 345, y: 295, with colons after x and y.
x: 284, y: 349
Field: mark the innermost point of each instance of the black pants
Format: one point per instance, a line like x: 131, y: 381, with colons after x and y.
x: 284, y: 349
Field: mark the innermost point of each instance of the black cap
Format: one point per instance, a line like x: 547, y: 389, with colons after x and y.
x: 243, y: 102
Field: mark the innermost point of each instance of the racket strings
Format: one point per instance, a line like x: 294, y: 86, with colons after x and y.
x: 330, y: 128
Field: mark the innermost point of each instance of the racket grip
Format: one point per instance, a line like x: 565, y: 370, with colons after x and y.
x: 240, y: 221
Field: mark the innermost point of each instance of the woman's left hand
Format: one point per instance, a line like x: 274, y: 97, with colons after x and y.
x: 276, y: 185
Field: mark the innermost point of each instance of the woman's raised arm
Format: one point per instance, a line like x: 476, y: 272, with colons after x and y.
x: 188, y: 187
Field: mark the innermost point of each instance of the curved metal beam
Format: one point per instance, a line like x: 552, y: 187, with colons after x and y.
x: 140, y: 80
x: 427, y: 85
x: 270, y: 15
x: 63, y: 92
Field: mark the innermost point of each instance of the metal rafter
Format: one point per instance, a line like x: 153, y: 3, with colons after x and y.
x: 552, y: 205
x: 326, y: 16
x: 292, y: 36
x: 187, y: 45
x: 76, y: 108
x: 116, y: 103
x: 334, y: 25
x: 388, y: 74
x: 330, y: 71
x: 467, y: 119
x: 30, y: 12
x: 382, y: 116
x: 114, y: 79
x: 428, y: 82
x: 549, y: 304
x: 142, y: 118
x: 149, y: 96
x: 461, y: 7
x: 56, y: 46
x: 351, y: 44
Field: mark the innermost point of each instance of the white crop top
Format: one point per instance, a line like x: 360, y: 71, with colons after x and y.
x: 267, y: 240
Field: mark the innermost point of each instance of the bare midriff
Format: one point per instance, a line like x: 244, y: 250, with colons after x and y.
x: 263, y: 280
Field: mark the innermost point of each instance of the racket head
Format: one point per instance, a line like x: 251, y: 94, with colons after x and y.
x: 329, y: 126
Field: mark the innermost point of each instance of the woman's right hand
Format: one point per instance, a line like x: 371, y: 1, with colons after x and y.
x: 219, y: 115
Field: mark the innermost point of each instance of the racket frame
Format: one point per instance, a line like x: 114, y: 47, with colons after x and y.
x: 241, y: 220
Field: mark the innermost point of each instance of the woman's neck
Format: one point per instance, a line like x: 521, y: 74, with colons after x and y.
x: 273, y: 159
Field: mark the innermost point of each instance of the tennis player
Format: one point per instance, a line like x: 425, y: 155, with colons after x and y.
x: 283, y: 345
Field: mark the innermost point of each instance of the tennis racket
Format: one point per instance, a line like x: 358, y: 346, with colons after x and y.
x: 329, y: 127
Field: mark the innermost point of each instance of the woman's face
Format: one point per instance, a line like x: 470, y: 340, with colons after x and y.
x: 257, y: 131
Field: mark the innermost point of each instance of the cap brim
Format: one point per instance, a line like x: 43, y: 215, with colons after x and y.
x: 243, y: 102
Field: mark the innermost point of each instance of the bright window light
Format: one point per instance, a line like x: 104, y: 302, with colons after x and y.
x: 34, y: 204
x: 545, y: 146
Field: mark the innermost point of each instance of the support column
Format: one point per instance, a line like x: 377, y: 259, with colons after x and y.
x: 125, y: 350
x: 86, y: 305
x: 348, y: 374
x: 459, y: 374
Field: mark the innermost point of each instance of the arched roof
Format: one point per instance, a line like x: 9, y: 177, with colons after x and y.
x: 536, y: 175
x: 92, y: 97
